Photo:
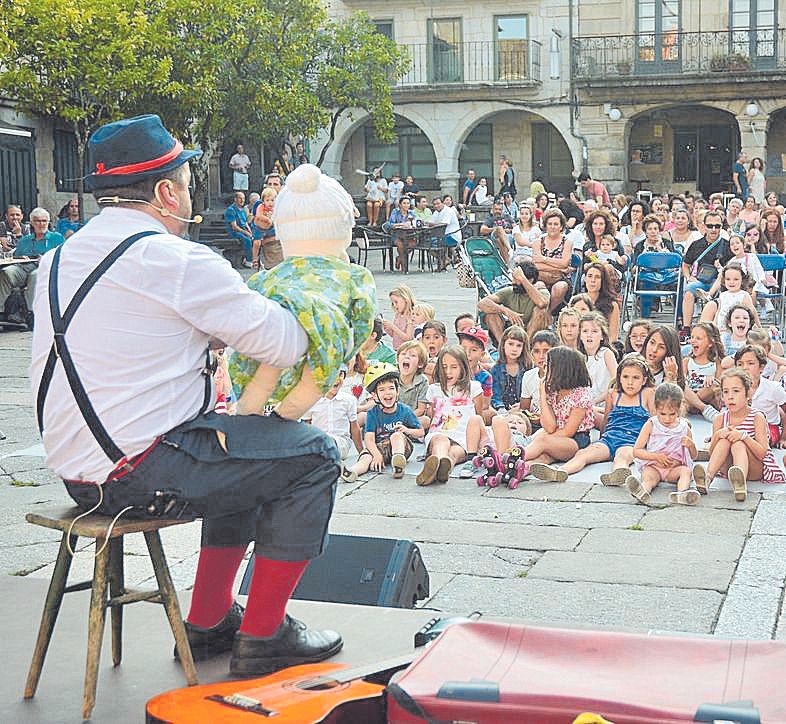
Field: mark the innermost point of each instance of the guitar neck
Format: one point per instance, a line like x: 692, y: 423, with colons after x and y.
x: 361, y: 672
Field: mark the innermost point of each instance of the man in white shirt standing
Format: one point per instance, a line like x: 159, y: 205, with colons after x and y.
x: 240, y: 163
x: 124, y: 399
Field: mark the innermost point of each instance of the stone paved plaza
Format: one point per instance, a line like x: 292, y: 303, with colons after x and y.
x: 573, y: 553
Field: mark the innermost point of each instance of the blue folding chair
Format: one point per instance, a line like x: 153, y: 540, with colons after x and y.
x: 775, y: 263
x: 656, y: 276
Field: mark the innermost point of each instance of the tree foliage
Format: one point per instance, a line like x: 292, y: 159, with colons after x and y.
x: 273, y: 70
x: 81, y: 62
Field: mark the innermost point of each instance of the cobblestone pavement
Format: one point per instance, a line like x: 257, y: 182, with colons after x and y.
x: 574, y: 553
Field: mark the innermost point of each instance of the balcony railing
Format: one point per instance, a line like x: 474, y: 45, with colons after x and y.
x: 679, y: 53
x: 504, y: 62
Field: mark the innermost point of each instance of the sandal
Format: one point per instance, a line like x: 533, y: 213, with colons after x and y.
x: 636, y: 489
x: 399, y: 462
x: 348, y: 476
x: 738, y: 483
x: 618, y: 476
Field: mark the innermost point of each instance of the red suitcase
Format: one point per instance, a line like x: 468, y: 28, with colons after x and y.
x: 493, y: 673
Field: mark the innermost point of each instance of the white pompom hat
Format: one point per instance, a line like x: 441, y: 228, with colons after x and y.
x: 313, y: 206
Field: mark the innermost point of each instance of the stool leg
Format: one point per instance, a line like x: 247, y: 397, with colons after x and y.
x: 95, y: 626
x: 116, y: 588
x: 169, y: 599
x: 54, y: 597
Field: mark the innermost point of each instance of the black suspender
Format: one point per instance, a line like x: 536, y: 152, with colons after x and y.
x: 59, y: 349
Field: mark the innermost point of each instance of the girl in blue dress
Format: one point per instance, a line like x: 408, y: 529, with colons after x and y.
x: 630, y: 403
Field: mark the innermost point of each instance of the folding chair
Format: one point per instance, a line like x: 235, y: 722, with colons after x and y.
x: 657, y: 276
x: 775, y: 263
x: 577, y: 264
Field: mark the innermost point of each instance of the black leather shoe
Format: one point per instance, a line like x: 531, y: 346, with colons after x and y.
x: 292, y: 644
x: 209, y: 642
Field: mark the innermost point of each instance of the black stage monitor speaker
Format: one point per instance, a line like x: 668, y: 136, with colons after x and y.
x: 357, y: 569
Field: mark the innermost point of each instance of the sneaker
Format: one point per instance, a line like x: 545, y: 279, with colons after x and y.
x: 247, y: 264
x: 709, y: 413
x: 636, y: 489
x: 208, y: 642
x: 348, y: 475
x: 548, y: 473
x: 467, y: 470
x: 618, y: 476
x: 443, y: 470
x: 398, y: 462
x: 738, y: 483
x: 700, y: 479
x: 292, y: 644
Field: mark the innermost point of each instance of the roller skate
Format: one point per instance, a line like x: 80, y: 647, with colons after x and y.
x: 514, y: 467
x: 488, y: 462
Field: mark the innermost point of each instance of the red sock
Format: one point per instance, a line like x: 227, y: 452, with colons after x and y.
x: 271, y: 586
x: 215, y: 575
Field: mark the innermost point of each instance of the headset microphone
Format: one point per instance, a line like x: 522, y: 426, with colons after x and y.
x: 196, y: 219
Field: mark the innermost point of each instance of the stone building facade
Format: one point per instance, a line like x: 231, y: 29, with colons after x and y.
x: 652, y: 94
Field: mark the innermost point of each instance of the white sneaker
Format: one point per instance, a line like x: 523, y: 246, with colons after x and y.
x: 247, y: 264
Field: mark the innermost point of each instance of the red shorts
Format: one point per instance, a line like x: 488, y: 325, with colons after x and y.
x: 775, y: 434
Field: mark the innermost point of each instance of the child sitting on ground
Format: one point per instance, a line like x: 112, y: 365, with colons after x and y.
x: 402, y: 328
x: 434, y: 338
x: 638, y: 332
x: 421, y: 313
x: 413, y: 388
x: 542, y: 342
x: 740, y: 446
x: 374, y: 349
x: 389, y: 426
x: 474, y: 342
x: 601, y: 362
x: 568, y: 327
x: 456, y: 425
x: 514, y: 361
x: 630, y: 404
x: 767, y: 397
x: 702, y: 368
x: 336, y: 415
x: 664, y: 450
x: 773, y: 348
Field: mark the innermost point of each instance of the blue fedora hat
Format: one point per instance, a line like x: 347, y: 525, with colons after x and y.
x: 127, y: 151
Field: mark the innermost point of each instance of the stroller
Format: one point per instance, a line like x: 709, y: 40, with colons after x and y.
x: 480, y: 257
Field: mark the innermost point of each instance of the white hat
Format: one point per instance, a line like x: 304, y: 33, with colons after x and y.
x: 312, y: 206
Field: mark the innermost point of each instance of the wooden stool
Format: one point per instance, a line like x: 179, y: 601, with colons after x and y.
x: 108, y: 573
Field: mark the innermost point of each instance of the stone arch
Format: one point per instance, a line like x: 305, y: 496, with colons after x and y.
x: 697, y: 155
x: 521, y: 147
x: 347, y: 127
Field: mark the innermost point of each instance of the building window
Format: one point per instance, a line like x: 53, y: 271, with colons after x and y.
x: 410, y: 154
x: 512, y: 33
x: 66, y: 161
x: 658, y: 27
x: 445, y: 56
x: 753, y: 24
x: 385, y: 27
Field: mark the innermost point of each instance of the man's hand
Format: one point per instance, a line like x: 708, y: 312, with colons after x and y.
x: 514, y: 318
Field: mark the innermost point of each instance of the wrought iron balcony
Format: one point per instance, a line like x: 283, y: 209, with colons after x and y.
x: 734, y: 52
x: 505, y: 62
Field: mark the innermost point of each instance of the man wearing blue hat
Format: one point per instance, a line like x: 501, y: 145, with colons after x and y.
x: 125, y: 310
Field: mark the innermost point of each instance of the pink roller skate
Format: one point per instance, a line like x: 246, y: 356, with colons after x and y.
x: 489, y: 463
x: 514, y: 467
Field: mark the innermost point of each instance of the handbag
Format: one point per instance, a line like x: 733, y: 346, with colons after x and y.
x: 465, y: 275
x: 706, y: 273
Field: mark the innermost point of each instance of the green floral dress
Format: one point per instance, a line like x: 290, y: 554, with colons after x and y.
x: 334, y: 302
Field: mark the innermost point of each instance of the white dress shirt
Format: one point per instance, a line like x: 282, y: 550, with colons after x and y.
x: 138, y: 340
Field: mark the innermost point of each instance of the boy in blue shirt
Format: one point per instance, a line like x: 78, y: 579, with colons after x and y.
x: 390, y: 425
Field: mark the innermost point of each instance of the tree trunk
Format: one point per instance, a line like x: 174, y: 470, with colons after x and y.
x: 333, y: 123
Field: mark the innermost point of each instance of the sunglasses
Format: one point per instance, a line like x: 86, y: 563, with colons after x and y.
x: 714, y: 226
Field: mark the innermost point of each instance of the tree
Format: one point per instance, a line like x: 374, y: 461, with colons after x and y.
x: 356, y: 68
x: 84, y: 62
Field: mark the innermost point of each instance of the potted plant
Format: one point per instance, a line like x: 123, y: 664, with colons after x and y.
x: 719, y: 63
x: 738, y: 61
x: 623, y: 67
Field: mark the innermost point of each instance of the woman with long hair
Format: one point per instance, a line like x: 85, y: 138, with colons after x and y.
x: 756, y: 180
x: 749, y: 213
x: 772, y: 231
x: 601, y: 289
x: 633, y: 220
x: 682, y: 233
x: 525, y: 233
x: 541, y: 204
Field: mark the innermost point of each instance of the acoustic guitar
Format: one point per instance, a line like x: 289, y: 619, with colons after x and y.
x: 329, y: 692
